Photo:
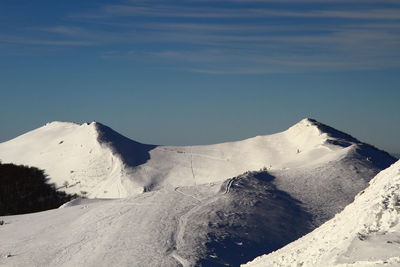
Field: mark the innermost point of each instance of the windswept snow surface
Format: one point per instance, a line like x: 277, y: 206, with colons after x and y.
x: 365, y: 233
x: 182, y: 206
x: 223, y: 224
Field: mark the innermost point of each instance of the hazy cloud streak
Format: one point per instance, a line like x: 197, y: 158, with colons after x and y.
x: 217, y: 38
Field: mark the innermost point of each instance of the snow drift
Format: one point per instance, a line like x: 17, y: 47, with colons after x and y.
x: 365, y: 233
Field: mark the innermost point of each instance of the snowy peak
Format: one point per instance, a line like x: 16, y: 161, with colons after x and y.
x: 87, y: 158
x: 308, y: 122
x: 311, y: 132
x: 132, y: 153
x: 335, y: 137
x: 60, y: 123
x: 107, y: 134
x: 328, y: 132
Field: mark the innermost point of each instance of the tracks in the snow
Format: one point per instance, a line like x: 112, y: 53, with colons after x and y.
x: 183, y: 220
x: 191, y: 165
x: 229, y: 185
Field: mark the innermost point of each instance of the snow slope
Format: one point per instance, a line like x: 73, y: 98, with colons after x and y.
x: 180, y: 206
x: 79, y: 155
x: 365, y: 233
x: 186, y: 226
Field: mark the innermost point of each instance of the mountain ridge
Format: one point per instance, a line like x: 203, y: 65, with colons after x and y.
x: 66, y: 151
x: 304, y: 123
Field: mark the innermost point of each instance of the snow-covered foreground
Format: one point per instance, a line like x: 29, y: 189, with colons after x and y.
x: 180, y: 205
x: 365, y: 233
x: 211, y: 225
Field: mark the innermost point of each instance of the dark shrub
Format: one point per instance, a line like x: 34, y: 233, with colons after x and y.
x: 26, y: 189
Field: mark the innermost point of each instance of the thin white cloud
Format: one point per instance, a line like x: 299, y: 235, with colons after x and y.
x: 64, y: 30
x: 298, y: 66
x: 169, y: 11
x: 364, y: 38
x: 31, y: 41
x: 234, y: 71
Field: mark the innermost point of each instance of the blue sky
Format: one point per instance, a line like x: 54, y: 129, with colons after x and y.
x: 199, y: 71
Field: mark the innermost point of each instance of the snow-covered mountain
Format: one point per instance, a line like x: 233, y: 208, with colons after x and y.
x: 365, y: 233
x: 189, y: 206
x: 315, y: 163
x: 89, y: 158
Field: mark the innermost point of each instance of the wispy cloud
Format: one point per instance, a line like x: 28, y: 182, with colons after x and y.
x: 237, y: 71
x: 49, y: 42
x: 64, y: 30
x: 168, y: 11
x: 242, y: 39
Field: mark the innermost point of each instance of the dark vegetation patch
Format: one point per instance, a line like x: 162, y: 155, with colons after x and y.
x: 26, y: 189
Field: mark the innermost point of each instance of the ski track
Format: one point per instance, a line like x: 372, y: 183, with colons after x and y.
x: 177, y: 190
x: 183, y: 220
x: 229, y: 184
x: 181, y: 260
x: 191, y: 165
